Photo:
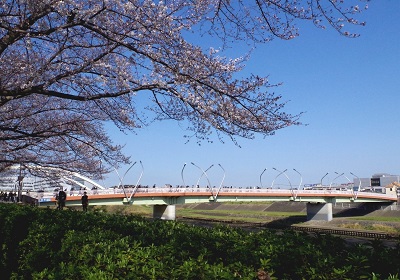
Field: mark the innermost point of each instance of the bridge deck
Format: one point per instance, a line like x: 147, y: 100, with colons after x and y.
x: 167, y: 196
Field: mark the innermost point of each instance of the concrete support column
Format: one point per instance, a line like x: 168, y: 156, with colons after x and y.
x: 319, y: 211
x: 164, y: 212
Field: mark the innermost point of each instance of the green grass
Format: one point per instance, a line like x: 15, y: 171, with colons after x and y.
x: 141, y: 210
x: 246, y: 216
x: 376, y: 218
x: 377, y: 223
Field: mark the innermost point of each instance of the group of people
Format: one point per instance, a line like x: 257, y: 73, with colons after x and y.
x: 61, y: 197
x: 8, y: 197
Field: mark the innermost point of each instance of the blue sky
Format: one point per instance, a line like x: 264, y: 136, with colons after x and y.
x: 348, y: 89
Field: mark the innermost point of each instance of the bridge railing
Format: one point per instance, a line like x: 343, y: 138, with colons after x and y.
x: 165, y: 190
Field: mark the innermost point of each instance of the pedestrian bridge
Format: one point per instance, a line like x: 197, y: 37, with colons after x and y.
x: 319, y: 202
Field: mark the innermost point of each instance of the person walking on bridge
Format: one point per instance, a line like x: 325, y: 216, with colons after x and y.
x: 61, y: 198
x: 85, y: 201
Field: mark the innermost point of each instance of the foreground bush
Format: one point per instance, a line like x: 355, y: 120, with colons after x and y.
x: 50, y: 244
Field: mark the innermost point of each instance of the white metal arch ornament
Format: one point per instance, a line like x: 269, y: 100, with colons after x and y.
x: 205, y: 174
x: 214, y: 193
x: 129, y: 198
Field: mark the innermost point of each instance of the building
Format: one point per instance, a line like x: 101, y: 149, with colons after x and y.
x: 379, y: 182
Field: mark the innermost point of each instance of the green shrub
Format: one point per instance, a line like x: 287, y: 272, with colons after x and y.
x: 48, y: 244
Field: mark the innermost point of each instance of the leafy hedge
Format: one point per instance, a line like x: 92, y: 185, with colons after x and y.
x: 41, y: 243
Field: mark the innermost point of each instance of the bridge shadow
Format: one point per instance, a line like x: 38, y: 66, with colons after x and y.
x: 339, y: 211
x: 286, y: 222
x: 359, y: 209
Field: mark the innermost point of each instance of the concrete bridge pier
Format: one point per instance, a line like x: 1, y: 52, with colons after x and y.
x: 319, y: 211
x: 164, y: 212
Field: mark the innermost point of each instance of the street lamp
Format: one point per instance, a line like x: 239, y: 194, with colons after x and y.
x: 223, y: 178
x: 137, y: 183
x: 324, y: 177
x: 347, y: 179
x: 339, y: 175
x: 301, y: 178
x: 349, y: 182
x: 287, y: 177
x: 121, y: 179
x: 281, y: 172
x: 359, y: 185
x: 183, y: 181
x: 261, y: 175
x: 222, y: 181
x: 205, y: 174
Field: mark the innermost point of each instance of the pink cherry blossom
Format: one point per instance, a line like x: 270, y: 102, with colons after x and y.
x: 69, y: 66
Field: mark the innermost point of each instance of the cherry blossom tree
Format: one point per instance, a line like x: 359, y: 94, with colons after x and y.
x: 69, y: 66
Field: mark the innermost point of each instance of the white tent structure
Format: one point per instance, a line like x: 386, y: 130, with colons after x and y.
x: 15, y: 179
